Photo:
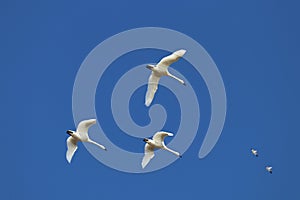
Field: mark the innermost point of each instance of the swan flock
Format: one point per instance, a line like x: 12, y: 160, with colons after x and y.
x: 157, y: 141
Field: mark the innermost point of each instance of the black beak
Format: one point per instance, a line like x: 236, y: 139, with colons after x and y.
x: 150, y: 67
x: 69, y: 132
x: 145, y: 139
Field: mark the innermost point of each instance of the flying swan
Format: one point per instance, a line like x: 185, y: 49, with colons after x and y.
x: 159, y: 70
x: 269, y: 169
x: 254, y: 152
x: 157, y: 141
x: 81, y: 134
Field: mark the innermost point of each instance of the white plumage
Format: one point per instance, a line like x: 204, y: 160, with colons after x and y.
x: 159, y: 70
x: 81, y: 134
x: 157, y: 141
x: 254, y: 152
x: 269, y: 169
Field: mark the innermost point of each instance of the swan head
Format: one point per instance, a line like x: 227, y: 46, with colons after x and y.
x: 70, y: 132
x: 151, y: 67
x: 145, y: 139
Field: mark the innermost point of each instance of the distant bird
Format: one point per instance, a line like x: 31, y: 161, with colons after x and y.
x: 159, y: 70
x: 254, y: 152
x: 157, y: 141
x: 269, y: 169
x: 81, y: 134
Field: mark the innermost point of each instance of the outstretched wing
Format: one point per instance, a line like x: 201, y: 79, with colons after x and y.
x: 160, y: 136
x: 83, y: 127
x: 72, y: 147
x: 168, y: 60
x: 149, y: 154
x: 152, y: 87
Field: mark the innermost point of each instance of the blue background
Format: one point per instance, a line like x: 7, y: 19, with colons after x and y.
x: 255, y: 45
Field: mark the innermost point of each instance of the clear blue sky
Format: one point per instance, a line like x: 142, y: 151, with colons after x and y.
x: 255, y: 45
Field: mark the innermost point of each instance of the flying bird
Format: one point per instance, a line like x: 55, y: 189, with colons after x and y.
x: 157, y: 141
x: 159, y: 70
x: 254, y: 152
x: 81, y: 134
x: 269, y: 169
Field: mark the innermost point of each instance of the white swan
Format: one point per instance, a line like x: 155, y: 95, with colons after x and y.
x: 159, y: 70
x: 254, y: 152
x: 157, y: 141
x: 269, y: 169
x: 81, y: 134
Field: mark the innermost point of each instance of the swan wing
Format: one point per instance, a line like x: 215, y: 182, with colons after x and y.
x: 149, y: 154
x: 72, y: 147
x: 160, y: 136
x: 168, y: 60
x: 83, y: 127
x: 152, y: 87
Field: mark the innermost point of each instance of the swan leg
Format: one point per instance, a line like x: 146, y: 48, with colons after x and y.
x: 95, y: 143
x: 173, y: 152
x: 176, y: 78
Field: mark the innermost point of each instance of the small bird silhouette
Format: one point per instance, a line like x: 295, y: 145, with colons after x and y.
x: 254, y: 152
x: 269, y: 169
